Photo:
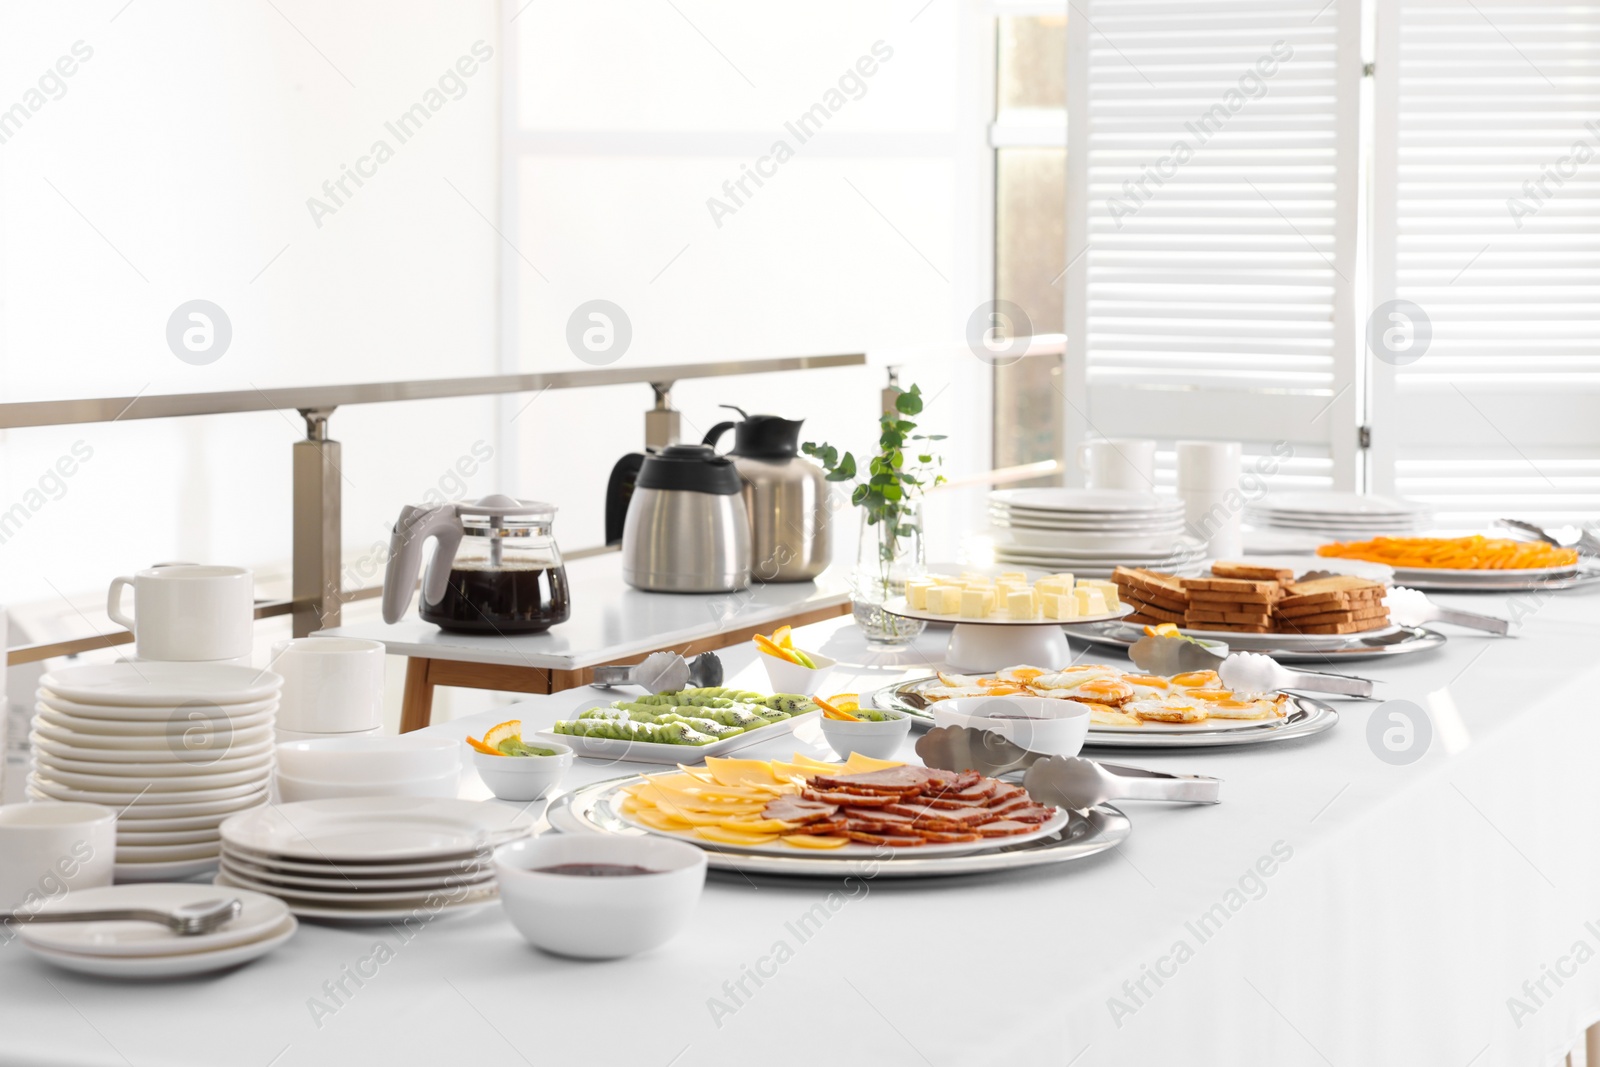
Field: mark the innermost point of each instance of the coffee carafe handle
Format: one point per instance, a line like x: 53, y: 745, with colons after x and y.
x: 714, y: 434
x: 414, y: 527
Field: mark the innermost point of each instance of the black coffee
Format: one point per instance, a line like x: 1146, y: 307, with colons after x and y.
x: 594, y: 870
x: 519, y: 598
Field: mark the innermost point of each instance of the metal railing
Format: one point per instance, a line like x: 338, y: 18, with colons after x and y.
x: 317, y: 594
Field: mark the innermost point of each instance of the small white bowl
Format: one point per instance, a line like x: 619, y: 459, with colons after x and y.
x: 292, y: 789
x: 1053, y: 727
x: 599, y: 918
x: 370, y: 759
x: 879, y: 740
x: 523, y: 777
x: 283, y: 735
x: 789, y: 677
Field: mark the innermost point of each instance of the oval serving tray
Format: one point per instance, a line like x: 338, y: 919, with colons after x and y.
x: 589, y: 810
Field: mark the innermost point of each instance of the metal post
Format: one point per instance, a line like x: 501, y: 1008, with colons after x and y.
x: 317, y: 538
x: 662, y: 424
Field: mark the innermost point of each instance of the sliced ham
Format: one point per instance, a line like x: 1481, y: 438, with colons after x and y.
x: 896, y: 780
x: 939, y: 818
x: 1033, y: 813
x: 939, y: 837
x: 1006, y: 828
x: 884, y: 839
x: 826, y: 826
x: 851, y: 799
x: 798, y: 810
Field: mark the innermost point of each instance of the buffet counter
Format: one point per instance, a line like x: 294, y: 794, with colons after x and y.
x: 1338, y: 907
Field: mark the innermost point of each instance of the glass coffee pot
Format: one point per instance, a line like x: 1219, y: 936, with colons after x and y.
x: 495, y: 567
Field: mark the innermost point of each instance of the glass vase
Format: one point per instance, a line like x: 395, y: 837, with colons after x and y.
x: 887, y: 554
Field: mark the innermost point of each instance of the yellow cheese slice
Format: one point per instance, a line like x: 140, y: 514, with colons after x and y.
x: 818, y: 841
x: 757, y: 826
x: 859, y: 764
x: 740, y: 771
x: 660, y: 821
x: 674, y: 802
x: 733, y: 837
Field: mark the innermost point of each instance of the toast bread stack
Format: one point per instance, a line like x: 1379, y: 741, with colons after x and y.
x: 1155, y: 597
x: 1244, y: 598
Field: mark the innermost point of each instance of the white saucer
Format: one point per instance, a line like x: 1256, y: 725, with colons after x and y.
x: 154, y: 684
x: 193, y: 852
x: 165, y: 751
x: 173, y: 774
x: 376, y: 829
x: 176, y: 966
x: 362, y: 895
x: 153, y: 797
x: 384, y: 913
x: 172, y: 871
x: 259, y: 918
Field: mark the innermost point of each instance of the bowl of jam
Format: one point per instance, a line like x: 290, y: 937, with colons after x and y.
x: 598, y: 897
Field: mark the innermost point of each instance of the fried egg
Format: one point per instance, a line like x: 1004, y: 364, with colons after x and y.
x: 1113, y: 691
x: 1025, y: 675
x: 1171, y: 709
x: 950, y: 692
x: 1242, y: 709
x: 1071, y: 677
x: 1101, y: 715
x: 1197, y: 680
x: 1148, y: 686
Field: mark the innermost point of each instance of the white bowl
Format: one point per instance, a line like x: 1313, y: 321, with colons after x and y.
x: 599, y: 918
x: 523, y: 777
x: 301, y: 735
x: 879, y: 740
x: 370, y: 759
x: 792, y: 678
x: 292, y: 789
x: 1053, y: 727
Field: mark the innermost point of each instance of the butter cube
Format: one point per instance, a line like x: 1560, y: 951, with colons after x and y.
x: 1060, y: 605
x: 944, y: 599
x: 1091, y: 601
x: 1004, y: 587
x: 1020, y: 605
x: 1064, y: 578
x: 1052, y: 586
x: 1011, y: 576
x: 976, y: 603
x: 1107, y: 589
x: 917, y: 593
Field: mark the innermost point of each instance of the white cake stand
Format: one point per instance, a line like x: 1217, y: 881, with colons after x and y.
x: 990, y: 644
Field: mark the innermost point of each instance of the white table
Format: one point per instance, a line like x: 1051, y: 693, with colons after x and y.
x: 1413, y: 902
x: 611, y: 622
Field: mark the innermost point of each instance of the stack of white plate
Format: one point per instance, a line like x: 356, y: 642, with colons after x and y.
x: 174, y: 748
x: 372, y: 859
x: 1339, y: 515
x: 149, y: 950
x: 1091, y: 531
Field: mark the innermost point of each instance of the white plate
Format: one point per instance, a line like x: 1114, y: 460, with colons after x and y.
x: 1045, y: 521
x: 897, y: 606
x: 1070, y: 543
x: 155, y: 684
x: 178, y: 790
x: 202, y: 835
x: 1402, y: 575
x: 364, y: 871
x: 177, y: 966
x: 147, y: 808
x: 1207, y: 725
x: 1376, y: 572
x: 362, y: 894
x: 133, y: 821
x: 852, y: 851
x: 1339, y: 502
x: 375, y: 828
x: 171, y: 871
x: 208, y: 850
x: 158, y: 753
x: 471, y: 873
x: 382, y: 913
x: 214, y: 773
x: 101, y: 713
x: 1104, y: 501
x: 165, y: 726
x: 1182, y: 546
x: 655, y: 752
x: 261, y: 916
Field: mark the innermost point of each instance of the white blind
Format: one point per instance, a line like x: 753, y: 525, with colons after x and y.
x: 1487, y: 218
x: 1211, y: 201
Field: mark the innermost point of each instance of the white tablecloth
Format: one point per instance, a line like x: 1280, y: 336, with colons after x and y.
x: 1335, y: 909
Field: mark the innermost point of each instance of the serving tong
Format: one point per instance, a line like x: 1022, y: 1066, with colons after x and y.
x: 1062, y: 781
x: 1167, y: 656
x: 1412, y: 607
x: 1586, y: 542
x: 662, y: 672
x: 187, y: 921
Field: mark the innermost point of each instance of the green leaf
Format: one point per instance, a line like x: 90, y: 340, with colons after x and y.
x: 934, y: 437
x: 893, y: 492
x: 909, y: 403
x: 858, y: 495
x: 924, y: 459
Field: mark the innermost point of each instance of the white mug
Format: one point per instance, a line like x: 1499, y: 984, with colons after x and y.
x: 188, y: 612
x: 1208, y: 466
x: 50, y: 848
x: 331, y: 685
x: 1217, y: 518
x: 1118, y: 463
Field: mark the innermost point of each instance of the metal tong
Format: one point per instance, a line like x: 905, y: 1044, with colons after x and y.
x: 1167, y: 656
x: 1062, y: 781
x: 1587, y: 543
x: 662, y: 672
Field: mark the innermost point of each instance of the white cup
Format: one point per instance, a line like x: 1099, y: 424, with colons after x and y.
x: 1118, y: 463
x: 1217, y: 518
x: 331, y: 685
x: 49, y: 849
x: 188, y: 612
x: 1208, y: 466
